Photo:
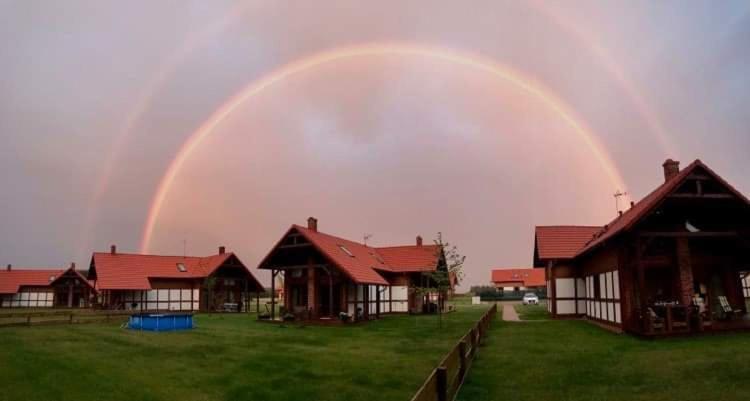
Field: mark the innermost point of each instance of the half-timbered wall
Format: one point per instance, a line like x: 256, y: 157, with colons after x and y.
x: 28, y: 299
x: 746, y: 286
x: 393, y: 299
x: 172, y: 299
x: 603, y: 297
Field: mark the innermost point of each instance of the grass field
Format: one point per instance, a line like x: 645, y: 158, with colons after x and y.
x: 228, y: 357
x: 532, y: 312
x: 574, y: 360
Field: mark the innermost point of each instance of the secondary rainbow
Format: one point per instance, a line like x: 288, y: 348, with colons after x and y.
x: 473, y: 61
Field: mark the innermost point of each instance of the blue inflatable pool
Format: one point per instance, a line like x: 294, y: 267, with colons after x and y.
x: 161, y: 322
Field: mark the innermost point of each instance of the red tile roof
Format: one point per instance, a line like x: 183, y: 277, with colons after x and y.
x: 12, y: 281
x: 365, y: 261
x: 529, y: 277
x: 410, y: 258
x: 126, y: 271
x: 562, y: 242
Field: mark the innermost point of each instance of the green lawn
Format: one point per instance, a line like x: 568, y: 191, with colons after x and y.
x: 228, y: 357
x: 532, y: 312
x: 574, y: 360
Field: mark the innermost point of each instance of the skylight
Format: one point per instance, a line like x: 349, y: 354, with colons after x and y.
x: 181, y: 267
x: 346, y: 251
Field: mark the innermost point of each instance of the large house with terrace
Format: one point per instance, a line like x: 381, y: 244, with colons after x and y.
x: 328, y: 277
x: 44, y: 288
x: 127, y: 281
x: 675, y: 262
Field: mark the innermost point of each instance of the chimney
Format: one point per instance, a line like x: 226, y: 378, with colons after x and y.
x: 419, y: 240
x: 620, y: 213
x: 312, y: 224
x: 632, y: 203
x: 222, y: 250
x: 671, y: 169
x: 113, y: 249
x: 9, y: 267
x: 73, y: 265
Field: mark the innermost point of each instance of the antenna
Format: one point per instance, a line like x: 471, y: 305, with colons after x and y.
x: 619, y: 194
x: 184, y: 248
x: 367, y: 237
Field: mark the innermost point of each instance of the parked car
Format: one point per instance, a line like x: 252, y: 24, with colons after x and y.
x: 530, y: 299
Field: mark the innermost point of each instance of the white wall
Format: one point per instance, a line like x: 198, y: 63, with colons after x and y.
x: 27, y: 300
x: 163, y: 299
x: 607, y: 306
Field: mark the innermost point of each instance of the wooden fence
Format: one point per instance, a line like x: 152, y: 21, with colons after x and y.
x: 15, y: 319
x: 445, y: 381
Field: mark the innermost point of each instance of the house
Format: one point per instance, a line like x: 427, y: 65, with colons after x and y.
x: 521, y: 279
x: 175, y: 283
x: 44, y: 288
x: 675, y: 262
x: 325, y: 276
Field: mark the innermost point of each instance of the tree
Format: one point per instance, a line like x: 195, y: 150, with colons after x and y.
x: 450, y: 267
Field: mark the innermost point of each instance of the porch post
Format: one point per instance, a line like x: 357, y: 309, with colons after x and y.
x: 685, y: 265
x: 641, y: 284
x: 70, y: 294
x: 377, y: 301
x: 330, y: 294
x: 273, y: 294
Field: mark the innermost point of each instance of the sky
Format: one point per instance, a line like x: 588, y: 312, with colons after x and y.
x: 179, y: 126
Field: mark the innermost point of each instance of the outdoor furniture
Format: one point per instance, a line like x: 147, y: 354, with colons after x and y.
x: 729, y: 312
x: 655, y: 322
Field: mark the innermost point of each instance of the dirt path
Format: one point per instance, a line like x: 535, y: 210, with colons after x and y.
x: 509, y: 313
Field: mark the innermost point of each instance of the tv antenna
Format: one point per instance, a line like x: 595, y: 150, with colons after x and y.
x: 619, y: 194
x: 367, y: 237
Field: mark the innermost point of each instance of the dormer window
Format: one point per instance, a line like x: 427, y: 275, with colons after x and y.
x: 181, y: 267
x: 346, y: 251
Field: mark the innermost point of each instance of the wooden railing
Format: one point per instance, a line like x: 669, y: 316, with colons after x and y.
x: 15, y: 319
x: 445, y: 380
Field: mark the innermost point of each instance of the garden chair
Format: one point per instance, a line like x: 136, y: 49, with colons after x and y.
x: 729, y: 312
x: 656, y: 322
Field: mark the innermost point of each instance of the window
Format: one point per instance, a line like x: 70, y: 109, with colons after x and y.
x: 346, y: 251
x: 181, y: 267
x: 597, y: 287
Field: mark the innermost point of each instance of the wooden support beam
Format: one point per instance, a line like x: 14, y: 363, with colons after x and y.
x: 702, y: 196
x: 686, y: 234
x: 290, y: 246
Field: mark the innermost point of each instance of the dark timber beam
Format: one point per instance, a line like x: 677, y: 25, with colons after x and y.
x: 290, y: 246
x: 700, y: 234
x: 702, y: 196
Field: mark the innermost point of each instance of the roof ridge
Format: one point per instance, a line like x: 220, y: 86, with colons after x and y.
x: 159, y: 256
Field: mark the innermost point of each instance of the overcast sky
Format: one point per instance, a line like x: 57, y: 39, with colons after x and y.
x: 97, y: 98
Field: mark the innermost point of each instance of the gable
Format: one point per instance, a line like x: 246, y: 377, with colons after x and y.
x: 697, y: 184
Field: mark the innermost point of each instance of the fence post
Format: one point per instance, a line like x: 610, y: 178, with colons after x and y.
x: 28, y: 320
x: 441, y: 376
x: 462, y: 360
x: 71, y: 318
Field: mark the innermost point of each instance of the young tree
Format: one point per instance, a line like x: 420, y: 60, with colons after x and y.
x: 440, y: 281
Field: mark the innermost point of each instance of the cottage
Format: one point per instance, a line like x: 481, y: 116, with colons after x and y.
x: 44, y: 288
x: 522, y: 279
x: 325, y: 276
x: 175, y: 283
x: 675, y: 262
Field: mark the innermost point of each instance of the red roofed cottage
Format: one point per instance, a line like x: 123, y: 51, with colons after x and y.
x: 175, y: 283
x: 325, y: 276
x: 44, y: 288
x: 518, y: 279
x: 675, y: 262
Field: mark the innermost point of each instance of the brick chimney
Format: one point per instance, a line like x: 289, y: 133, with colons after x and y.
x: 419, y: 240
x: 222, y: 250
x: 73, y: 265
x: 671, y: 169
x: 9, y: 267
x: 312, y: 224
x: 113, y: 249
